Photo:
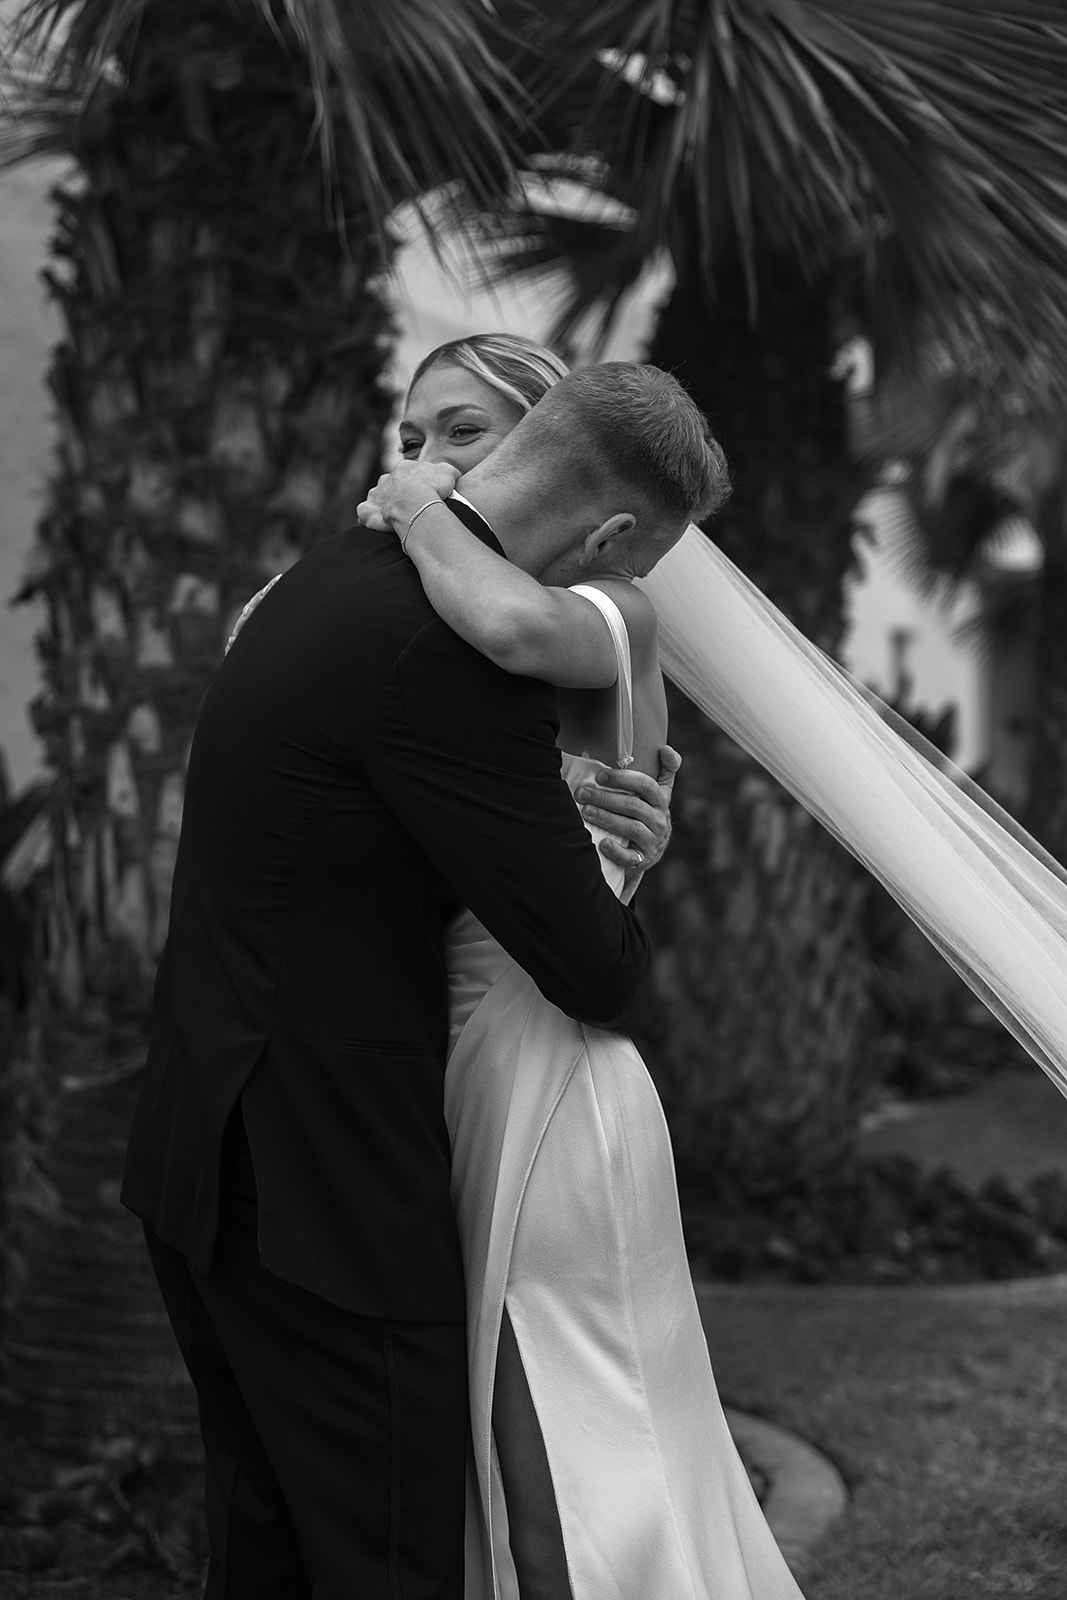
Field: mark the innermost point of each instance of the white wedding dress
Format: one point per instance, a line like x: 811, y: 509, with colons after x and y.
x: 564, y: 1186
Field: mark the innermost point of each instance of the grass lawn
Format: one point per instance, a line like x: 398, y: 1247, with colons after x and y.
x: 946, y: 1411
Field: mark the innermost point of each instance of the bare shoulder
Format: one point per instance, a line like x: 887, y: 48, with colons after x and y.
x: 639, y: 615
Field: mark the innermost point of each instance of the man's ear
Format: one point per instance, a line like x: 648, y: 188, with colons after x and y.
x: 599, y: 538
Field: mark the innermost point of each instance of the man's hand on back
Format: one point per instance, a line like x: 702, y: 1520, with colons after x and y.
x: 636, y: 809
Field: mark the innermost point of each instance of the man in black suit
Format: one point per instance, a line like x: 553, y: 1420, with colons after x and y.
x: 357, y: 773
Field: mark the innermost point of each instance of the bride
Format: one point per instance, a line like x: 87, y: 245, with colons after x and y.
x: 602, y: 1463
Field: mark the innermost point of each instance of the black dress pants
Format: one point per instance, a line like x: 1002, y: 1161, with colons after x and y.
x: 334, y: 1444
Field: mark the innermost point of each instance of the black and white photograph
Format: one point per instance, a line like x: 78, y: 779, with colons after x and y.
x: 533, y: 799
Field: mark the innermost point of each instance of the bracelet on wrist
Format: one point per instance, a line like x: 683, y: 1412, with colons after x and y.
x: 437, y: 501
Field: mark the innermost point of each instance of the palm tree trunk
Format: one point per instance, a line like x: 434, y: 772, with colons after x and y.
x: 90, y: 1352
x: 220, y: 398
x: 762, y: 972
x: 220, y: 402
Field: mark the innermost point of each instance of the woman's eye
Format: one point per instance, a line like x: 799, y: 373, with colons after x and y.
x: 410, y: 447
x: 465, y: 430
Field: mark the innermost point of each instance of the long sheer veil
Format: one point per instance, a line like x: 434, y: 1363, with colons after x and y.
x: 986, y: 894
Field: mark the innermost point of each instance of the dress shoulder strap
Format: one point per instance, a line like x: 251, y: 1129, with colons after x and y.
x: 624, y: 697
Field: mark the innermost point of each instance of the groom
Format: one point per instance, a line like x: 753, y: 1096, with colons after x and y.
x: 357, y: 774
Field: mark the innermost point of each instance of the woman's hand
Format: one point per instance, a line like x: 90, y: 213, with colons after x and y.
x: 398, y: 494
x: 636, y: 808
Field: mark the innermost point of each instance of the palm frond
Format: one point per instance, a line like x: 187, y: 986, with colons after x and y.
x: 902, y: 421
x: 1010, y: 612
x: 366, y: 66
x: 380, y: 61
x: 601, y: 260
x: 936, y: 547
x: 924, y: 137
x: 969, y: 473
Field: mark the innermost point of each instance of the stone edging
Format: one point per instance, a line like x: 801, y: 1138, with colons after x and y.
x: 1049, y: 1286
x: 805, y: 1492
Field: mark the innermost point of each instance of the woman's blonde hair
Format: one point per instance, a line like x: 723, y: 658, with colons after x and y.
x: 516, y: 367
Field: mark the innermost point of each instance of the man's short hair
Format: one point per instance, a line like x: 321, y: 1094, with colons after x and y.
x: 630, y: 425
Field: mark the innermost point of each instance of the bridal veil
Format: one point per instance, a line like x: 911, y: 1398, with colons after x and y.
x: 991, y: 900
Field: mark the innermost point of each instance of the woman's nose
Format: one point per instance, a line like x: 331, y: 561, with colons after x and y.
x: 435, y: 450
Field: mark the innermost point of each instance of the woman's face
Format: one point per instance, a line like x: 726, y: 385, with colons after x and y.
x: 453, y: 416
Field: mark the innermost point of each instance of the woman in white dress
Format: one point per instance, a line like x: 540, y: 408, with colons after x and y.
x: 603, y: 1468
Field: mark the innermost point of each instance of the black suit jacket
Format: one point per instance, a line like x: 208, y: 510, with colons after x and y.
x: 357, y: 774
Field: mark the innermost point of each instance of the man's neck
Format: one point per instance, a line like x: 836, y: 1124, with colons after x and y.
x: 495, y: 502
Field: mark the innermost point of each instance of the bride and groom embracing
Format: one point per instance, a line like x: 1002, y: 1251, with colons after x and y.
x: 416, y: 1228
